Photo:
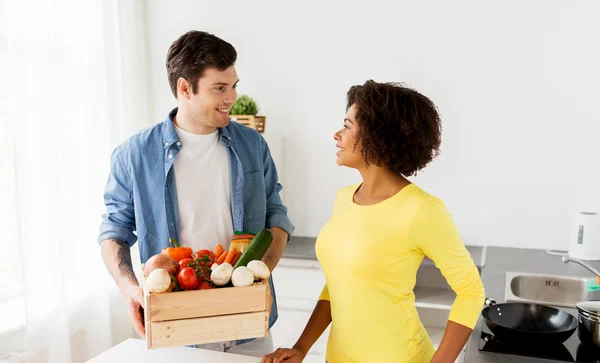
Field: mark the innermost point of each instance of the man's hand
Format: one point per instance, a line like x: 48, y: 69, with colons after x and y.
x: 117, y: 258
x: 134, y: 298
x: 284, y: 355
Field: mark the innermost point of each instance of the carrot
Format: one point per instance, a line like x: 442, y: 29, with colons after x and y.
x: 231, y: 255
x: 243, y: 236
x: 222, y: 258
x: 236, y: 257
x: 219, y: 250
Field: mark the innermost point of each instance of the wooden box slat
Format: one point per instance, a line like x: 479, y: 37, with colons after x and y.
x: 208, y: 330
x: 201, y: 303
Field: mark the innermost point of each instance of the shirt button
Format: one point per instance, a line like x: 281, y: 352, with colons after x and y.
x: 229, y: 137
x: 178, y: 143
x: 166, y: 143
x: 170, y: 156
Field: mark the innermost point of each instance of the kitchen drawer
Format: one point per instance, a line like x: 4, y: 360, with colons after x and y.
x: 290, y: 323
x: 296, y: 303
x: 289, y: 327
x: 301, y: 280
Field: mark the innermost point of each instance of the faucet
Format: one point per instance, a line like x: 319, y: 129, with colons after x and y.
x: 567, y: 259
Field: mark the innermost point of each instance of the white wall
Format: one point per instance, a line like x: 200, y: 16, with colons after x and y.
x: 517, y: 84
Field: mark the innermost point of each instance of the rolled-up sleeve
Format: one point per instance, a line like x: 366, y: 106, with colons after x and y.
x: 118, y: 222
x: 433, y: 231
x: 276, y: 211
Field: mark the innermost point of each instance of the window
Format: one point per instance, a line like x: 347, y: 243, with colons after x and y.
x: 10, y: 266
x: 11, y: 299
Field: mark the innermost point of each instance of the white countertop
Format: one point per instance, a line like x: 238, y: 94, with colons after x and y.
x: 134, y: 350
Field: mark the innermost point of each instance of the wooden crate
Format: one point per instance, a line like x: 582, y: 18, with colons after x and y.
x: 206, y: 316
x: 256, y: 122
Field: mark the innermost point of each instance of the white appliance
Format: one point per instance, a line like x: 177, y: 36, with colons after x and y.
x: 584, y: 239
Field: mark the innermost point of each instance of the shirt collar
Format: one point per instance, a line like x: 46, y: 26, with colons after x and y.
x: 170, y: 135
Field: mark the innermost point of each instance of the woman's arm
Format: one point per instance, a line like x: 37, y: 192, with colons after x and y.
x: 455, y: 338
x: 433, y: 231
x: 318, y: 322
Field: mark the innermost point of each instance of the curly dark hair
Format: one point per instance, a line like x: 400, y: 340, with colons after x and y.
x: 192, y: 53
x: 398, y: 127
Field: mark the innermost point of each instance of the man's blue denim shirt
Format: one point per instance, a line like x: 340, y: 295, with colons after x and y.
x: 141, y: 200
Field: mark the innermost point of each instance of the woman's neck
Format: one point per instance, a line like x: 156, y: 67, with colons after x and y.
x: 380, y: 183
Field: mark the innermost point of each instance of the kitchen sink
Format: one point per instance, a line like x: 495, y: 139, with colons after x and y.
x: 554, y: 290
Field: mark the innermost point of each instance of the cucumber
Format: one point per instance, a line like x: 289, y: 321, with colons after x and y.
x: 256, y: 249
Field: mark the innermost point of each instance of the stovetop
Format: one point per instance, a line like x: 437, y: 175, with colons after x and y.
x: 572, y: 350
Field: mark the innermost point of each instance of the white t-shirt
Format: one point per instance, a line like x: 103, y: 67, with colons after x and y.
x: 203, y: 191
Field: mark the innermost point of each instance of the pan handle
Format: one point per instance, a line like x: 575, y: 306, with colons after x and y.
x: 489, y: 302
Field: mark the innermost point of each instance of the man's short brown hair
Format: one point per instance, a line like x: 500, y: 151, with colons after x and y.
x: 194, y: 52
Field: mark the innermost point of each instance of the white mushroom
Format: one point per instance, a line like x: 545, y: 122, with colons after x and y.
x: 242, y: 276
x: 222, y: 274
x: 259, y: 269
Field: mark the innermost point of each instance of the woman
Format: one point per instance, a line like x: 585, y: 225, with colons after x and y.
x: 379, y: 232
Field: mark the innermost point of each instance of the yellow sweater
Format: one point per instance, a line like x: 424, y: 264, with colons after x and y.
x: 370, y: 256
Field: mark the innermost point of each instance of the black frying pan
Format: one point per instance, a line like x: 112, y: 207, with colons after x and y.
x: 528, y: 323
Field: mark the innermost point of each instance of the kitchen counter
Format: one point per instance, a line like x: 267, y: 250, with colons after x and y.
x: 134, y: 350
x: 303, y: 248
x: 500, y: 260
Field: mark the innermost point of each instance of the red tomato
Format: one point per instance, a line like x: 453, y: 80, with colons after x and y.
x: 187, y: 278
x: 204, y: 285
x: 205, y: 257
x: 184, y: 262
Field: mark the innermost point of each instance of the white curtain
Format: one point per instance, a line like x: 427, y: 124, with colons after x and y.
x: 77, y: 87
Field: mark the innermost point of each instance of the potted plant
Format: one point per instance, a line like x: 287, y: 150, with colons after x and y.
x: 245, y: 111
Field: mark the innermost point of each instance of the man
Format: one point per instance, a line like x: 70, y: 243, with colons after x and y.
x: 194, y: 177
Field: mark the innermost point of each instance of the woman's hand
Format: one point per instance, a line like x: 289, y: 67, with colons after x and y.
x: 318, y: 322
x: 284, y: 355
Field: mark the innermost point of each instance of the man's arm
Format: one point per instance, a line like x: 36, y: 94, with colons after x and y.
x: 117, y: 258
x: 277, y: 219
x: 118, y: 222
x: 116, y: 237
x: 274, y: 253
